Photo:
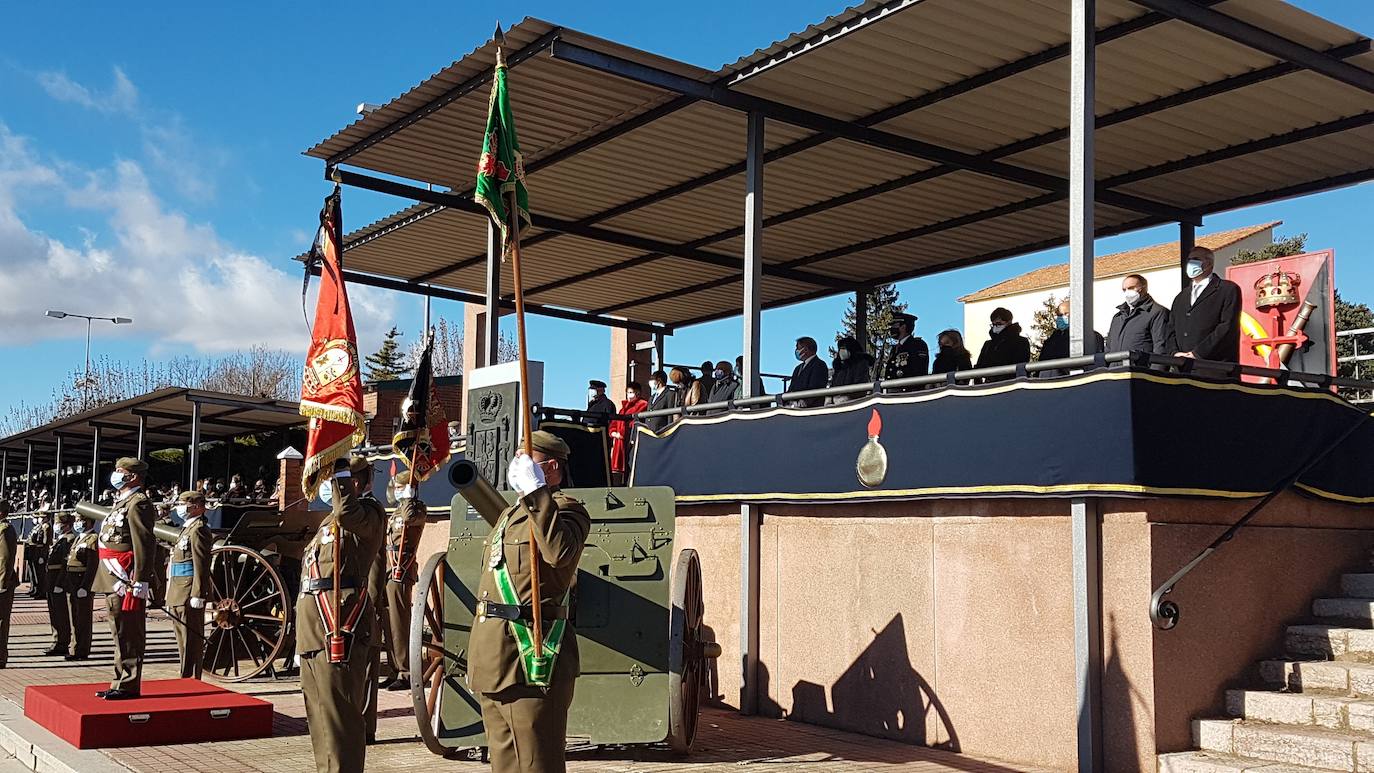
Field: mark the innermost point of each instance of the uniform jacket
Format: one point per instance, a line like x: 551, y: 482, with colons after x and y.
x: 129, y: 526
x: 808, y: 375
x: 362, y: 523
x: 57, y: 554
x: 9, y: 548
x: 667, y: 397
x: 82, y: 562
x: 403, y: 530
x: 908, y: 358
x: 601, y: 405
x: 1140, y: 328
x: 559, y: 525
x: 193, y: 545
x: 1210, y: 328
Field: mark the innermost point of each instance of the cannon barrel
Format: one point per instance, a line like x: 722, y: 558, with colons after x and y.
x: 471, y: 486
x: 93, y: 512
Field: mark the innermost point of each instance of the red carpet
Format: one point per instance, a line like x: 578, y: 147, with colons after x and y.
x: 169, y: 711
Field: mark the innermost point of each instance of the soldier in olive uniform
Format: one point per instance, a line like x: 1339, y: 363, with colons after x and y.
x: 82, y: 563
x: 127, y: 549
x: 36, y: 552
x: 910, y: 357
x: 334, y: 678
x: 524, y: 706
x: 59, y: 614
x: 188, y: 582
x: 9, y: 578
x: 403, y: 532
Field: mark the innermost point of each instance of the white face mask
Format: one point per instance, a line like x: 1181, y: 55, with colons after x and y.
x: 1131, y: 296
x: 998, y: 327
x: 591, y: 395
x: 630, y: 394
x: 1194, y: 268
x: 844, y: 355
x: 405, y: 492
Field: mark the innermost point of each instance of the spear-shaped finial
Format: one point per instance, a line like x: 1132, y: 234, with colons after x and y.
x: 500, y: 38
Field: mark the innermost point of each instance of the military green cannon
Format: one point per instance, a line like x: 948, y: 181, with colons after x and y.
x: 638, y: 613
x: 249, y: 608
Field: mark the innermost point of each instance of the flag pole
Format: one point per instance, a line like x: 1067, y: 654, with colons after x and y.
x: 536, y: 611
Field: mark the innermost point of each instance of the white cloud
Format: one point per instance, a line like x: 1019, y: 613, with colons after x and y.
x: 186, y: 287
x: 121, y: 98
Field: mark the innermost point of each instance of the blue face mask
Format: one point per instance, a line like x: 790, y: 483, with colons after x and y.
x: 119, y: 480
x: 718, y: 374
x: 1194, y: 268
x: 1061, y: 322
x: 801, y: 355
x: 79, y: 526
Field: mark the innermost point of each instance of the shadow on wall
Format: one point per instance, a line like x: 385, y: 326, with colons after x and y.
x: 880, y: 694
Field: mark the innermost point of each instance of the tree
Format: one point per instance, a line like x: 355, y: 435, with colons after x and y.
x: 1285, y: 246
x: 448, y: 349
x: 883, y: 303
x: 1042, y: 323
x: 388, y: 363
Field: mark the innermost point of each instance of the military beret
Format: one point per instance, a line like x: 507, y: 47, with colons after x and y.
x: 594, y: 384
x: 357, y: 464
x: 66, y: 517
x: 190, y: 497
x: 401, y: 478
x: 549, y: 444
x: 132, y: 464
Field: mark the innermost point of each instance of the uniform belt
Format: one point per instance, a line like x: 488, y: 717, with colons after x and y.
x: 183, y: 569
x: 325, y: 583
x: 521, y: 612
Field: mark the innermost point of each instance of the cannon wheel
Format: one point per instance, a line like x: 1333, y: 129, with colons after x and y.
x: 686, y: 673
x: 246, y: 630
x: 428, y: 658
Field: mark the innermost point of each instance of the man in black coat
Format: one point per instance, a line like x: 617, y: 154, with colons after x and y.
x: 910, y: 357
x: 1005, y: 344
x: 1056, y: 346
x: 664, y: 397
x: 810, y: 373
x: 1204, y: 322
x: 1140, y: 324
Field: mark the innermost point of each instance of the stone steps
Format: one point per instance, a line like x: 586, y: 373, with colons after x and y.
x: 1329, y: 711
x: 1336, y: 642
x: 1329, y: 677
x: 1359, y: 610
x: 1358, y: 585
x: 1214, y: 762
x: 1313, y: 747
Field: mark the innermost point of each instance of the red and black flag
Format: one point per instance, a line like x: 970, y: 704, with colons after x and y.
x: 422, y: 442
x: 332, y: 388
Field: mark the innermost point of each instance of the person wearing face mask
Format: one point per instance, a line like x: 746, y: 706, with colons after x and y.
x: 59, y: 616
x: 725, y: 384
x: 188, y: 582
x: 9, y: 578
x: 952, y: 355
x: 689, y: 389
x: 663, y: 396
x: 1005, y: 344
x: 851, y: 365
x: 599, y: 406
x: 707, y: 380
x: 810, y: 373
x: 1056, y: 346
x: 403, y: 530
x: 36, y: 549
x: 910, y: 357
x: 1140, y: 324
x: 82, y: 562
x: 620, y: 430
x: 1204, y: 321
x: 127, y: 549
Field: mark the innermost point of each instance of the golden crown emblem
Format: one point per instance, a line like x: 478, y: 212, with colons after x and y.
x: 1277, y: 288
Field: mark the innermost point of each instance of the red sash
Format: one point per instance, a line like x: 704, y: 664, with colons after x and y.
x: 124, y: 559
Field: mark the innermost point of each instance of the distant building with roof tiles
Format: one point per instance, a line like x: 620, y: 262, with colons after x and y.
x: 1025, y: 294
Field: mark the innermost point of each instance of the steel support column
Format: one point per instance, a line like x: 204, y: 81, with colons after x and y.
x: 28, y: 476
x: 57, y: 475
x: 95, y: 464
x: 1087, y: 531
x: 1187, y: 239
x: 491, y: 329
x: 193, y: 470
x: 142, y: 436
x: 4, y: 471
x: 753, y: 252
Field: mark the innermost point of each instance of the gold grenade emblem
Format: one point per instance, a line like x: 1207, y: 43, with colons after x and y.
x: 872, y: 464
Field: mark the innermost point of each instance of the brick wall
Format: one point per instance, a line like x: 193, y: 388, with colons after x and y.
x: 382, y: 403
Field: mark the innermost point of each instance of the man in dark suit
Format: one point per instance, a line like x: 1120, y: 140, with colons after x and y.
x: 665, y: 396
x: 810, y: 373
x: 1204, y: 322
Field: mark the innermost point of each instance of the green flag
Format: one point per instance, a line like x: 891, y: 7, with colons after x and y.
x: 501, y: 168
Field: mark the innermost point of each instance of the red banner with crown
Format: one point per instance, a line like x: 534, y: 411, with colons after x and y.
x: 1288, y: 313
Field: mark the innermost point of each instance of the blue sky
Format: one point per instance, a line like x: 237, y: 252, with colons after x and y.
x: 150, y: 167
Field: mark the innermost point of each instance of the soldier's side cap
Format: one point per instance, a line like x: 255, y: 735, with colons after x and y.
x: 189, y: 497
x: 907, y: 318
x: 402, y: 478
x: 550, y: 444
x: 594, y: 384
x: 66, y: 517
x: 357, y: 464
x: 132, y: 464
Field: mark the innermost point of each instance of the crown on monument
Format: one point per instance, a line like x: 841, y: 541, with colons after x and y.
x: 1277, y: 288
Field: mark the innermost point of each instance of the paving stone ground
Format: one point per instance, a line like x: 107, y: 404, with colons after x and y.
x: 725, y: 740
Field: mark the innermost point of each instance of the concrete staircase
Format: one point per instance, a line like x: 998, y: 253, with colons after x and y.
x: 1316, y: 712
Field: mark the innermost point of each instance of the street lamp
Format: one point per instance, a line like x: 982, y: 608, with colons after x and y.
x: 86, y: 380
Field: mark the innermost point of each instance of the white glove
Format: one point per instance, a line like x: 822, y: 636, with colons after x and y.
x: 120, y: 588
x: 81, y: 593
x: 524, y: 475
x: 197, y: 603
x: 58, y: 590
x: 141, y: 590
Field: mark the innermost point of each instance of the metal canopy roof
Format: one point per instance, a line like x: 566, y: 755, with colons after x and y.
x: 904, y: 138
x: 167, y: 413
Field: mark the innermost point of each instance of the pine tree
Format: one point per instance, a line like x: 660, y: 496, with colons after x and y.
x: 1042, y: 324
x: 883, y: 304
x: 388, y: 363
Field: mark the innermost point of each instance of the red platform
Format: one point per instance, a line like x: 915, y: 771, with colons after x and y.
x: 169, y: 711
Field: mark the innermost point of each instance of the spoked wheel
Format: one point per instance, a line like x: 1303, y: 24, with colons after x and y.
x: 428, y: 657
x: 687, y: 652
x: 246, y: 628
